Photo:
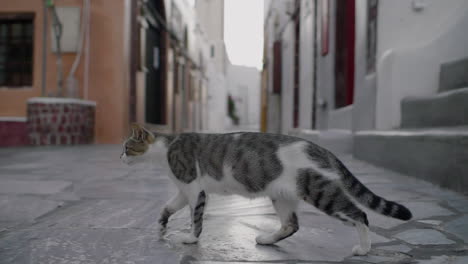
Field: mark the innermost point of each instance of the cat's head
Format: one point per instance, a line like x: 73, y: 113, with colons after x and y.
x: 138, y: 146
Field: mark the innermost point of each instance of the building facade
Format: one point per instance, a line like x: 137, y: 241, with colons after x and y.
x: 210, y: 16
x: 139, y: 61
x: 332, y: 64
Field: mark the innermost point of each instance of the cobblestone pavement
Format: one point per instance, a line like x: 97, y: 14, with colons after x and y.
x: 81, y: 205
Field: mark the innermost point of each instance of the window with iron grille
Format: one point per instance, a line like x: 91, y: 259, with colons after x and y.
x: 16, y: 50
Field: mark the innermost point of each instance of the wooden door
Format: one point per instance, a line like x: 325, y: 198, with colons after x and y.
x: 344, y: 52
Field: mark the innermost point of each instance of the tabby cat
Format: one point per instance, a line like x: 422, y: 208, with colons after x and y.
x: 286, y: 169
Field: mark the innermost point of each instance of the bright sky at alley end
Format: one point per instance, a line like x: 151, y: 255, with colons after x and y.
x: 243, y: 31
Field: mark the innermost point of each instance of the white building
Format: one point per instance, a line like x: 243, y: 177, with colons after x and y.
x: 390, y: 77
x: 349, y: 64
x: 210, y: 17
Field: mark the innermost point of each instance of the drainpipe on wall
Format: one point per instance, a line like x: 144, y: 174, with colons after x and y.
x: 315, y: 66
x: 44, y: 48
x: 58, y: 28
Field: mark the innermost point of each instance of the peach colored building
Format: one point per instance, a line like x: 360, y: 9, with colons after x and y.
x: 108, y: 66
x: 140, y: 66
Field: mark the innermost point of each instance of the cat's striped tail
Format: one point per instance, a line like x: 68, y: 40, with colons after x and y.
x: 369, y: 199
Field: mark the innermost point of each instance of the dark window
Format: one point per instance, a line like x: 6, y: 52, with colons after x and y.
x: 16, y: 49
x: 212, y: 51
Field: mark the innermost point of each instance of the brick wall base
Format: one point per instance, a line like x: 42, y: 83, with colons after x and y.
x: 13, y: 132
x: 58, y: 121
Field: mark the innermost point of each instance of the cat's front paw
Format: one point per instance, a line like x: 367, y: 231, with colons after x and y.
x: 265, y: 240
x: 185, y: 239
x: 164, y: 218
x: 162, y: 223
x: 359, y: 251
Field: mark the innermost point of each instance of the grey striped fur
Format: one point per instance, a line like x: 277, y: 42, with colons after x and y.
x: 254, y: 163
x: 198, y: 214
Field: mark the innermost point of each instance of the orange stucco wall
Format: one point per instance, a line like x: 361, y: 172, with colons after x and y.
x: 12, y: 102
x: 108, y: 82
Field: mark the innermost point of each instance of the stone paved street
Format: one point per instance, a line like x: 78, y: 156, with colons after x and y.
x: 81, y: 205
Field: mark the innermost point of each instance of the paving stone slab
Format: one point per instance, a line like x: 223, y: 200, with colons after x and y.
x: 459, y: 205
x: 440, y: 193
x: 424, y: 210
x: 33, y: 187
x: 19, y: 208
x: 458, y: 227
x: 399, y: 192
x: 114, y: 213
x: 381, y: 221
x: 398, y: 248
x: 85, y: 245
x: 14, y: 175
x: 430, y: 222
x: 127, y: 189
x: 233, y: 239
x: 381, y: 256
x: 445, y: 260
x: 223, y: 262
x: 424, y: 237
x: 460, y: 260
x: 24, y: 165
x: 5, y: 225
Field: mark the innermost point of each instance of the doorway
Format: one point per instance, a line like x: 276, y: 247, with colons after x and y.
x: 297, y: 30
x: 344, y: 53
x: 155, y: 93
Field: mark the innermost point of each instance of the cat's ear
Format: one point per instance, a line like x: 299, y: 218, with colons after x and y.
x: 140, y: 133
x: 148, y: 136
x: 136, y: 131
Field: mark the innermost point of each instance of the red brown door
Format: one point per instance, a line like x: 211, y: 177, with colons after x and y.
x: 297, y: 29
x: 344, y: 52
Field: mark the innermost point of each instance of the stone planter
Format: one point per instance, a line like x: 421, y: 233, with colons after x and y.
x: 60, y: 121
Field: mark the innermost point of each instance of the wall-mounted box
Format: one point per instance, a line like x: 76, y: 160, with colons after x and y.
x: 70, y: 18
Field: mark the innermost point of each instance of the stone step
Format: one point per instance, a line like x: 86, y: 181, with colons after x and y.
x: 444, y: 109
x: 438, y: 155
x: 335, y: 140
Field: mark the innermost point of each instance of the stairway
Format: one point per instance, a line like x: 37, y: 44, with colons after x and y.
x: 438, y: 155
x: 432, y: 143
x: 444, y: 109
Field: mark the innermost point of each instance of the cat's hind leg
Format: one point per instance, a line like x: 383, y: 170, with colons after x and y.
x: 176, y: 203
x: 327, y: 195
x: 286, y: 210
x: 365, y: 243
x: 350, y: 213
x: 338, y: 205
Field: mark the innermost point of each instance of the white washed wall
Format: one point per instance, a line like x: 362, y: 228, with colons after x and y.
x: 411, y: 47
